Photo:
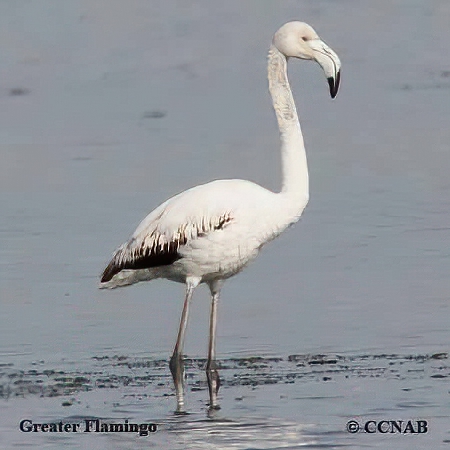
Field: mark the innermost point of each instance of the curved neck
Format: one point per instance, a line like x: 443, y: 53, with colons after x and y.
x: 293, y: 156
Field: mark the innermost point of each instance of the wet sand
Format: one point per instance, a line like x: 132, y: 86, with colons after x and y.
x: 108, y: 108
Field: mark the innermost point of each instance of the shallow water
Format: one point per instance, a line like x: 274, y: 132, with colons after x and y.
x: 296, y: 401
x: 107, y: 110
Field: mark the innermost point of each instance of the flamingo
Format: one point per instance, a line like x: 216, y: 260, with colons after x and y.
x: 209, y: 233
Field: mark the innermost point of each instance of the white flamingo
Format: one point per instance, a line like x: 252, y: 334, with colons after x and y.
x: 211, y: 232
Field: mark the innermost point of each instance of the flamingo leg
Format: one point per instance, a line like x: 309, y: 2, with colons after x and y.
x: 176, y: 363
x: 212, y: 373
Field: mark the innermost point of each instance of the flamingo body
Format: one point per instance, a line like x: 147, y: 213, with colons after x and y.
x: 209, y: 232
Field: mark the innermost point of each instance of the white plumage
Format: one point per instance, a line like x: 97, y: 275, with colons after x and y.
x: 215, y: 229
x: 210, y: 232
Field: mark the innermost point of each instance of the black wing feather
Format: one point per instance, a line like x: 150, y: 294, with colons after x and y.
x: 146, y: 258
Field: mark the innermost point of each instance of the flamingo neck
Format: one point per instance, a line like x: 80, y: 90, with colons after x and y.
x: 293, y: 157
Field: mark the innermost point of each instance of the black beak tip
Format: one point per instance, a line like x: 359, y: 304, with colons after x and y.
x: 331, y: 84
x: 334, y: 84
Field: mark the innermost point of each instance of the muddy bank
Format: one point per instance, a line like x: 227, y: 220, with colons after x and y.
x: 111, y: 372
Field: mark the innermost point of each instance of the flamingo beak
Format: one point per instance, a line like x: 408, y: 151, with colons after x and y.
x: 329, y: 62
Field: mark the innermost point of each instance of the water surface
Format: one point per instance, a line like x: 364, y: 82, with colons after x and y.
x: 108, y: 109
